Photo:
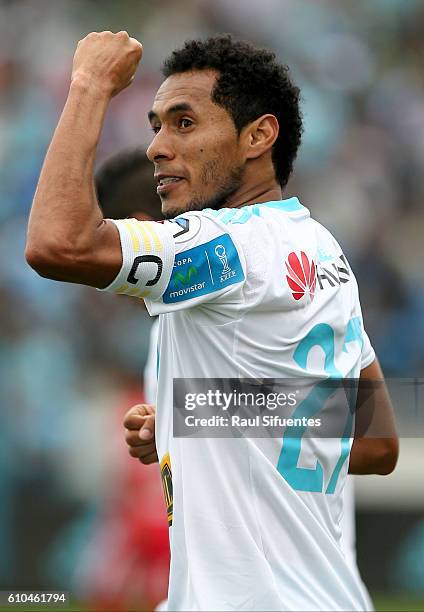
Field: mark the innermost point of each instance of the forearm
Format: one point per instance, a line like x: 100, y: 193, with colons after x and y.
x: 65, y: 213
x: 375, y: 447
x: 67, y: 236
x: 373, y: 456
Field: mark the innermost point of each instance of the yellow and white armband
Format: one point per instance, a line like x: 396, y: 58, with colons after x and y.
x: 148, y: 252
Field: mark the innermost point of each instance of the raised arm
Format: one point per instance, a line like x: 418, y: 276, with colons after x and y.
x: 68, y: 239
x: 375, y: 448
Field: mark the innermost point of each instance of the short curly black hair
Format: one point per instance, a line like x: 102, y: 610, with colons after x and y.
x: 250, y: 83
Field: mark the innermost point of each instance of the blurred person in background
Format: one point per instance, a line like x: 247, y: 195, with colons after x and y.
x: 125, y: 187
x: 125, y: 563
x: 68, y: 240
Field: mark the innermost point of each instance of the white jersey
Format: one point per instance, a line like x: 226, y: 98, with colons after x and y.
x: 258, y: 292
x: 347, y: 522
x: 150, y: 374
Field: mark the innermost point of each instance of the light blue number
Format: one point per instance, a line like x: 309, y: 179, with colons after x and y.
x: 312, y: 479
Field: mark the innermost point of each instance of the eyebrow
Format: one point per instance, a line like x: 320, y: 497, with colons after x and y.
x: 172, y: 110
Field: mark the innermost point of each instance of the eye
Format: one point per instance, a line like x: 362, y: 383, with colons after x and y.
x: 186, y: 123
x: 155, y: 129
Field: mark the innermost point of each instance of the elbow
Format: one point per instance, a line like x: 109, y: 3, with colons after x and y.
x: 388, y: 456
x: 44, y: 260
x: 374, y: 456
x: 51, y: 261
x: 38, y: 258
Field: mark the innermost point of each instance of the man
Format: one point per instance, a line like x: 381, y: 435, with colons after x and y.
x: 125, y: 188
x: 239, y: 282
x: 126, y: 559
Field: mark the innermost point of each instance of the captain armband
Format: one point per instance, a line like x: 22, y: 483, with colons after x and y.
x: 148, y: 252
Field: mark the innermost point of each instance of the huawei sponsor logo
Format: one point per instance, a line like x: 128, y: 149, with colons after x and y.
x: 302, y: 275
x: 333, y: 274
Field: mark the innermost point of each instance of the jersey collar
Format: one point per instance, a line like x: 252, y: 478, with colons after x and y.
x: 289, y: 205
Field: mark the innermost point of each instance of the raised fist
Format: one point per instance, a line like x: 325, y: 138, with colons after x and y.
x: 139, y: 423
x: 107, y: 61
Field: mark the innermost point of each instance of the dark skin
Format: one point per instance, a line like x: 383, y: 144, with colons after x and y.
x: 69, y: 240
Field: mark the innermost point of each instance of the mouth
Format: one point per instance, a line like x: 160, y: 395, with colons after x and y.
x: 167, y: 183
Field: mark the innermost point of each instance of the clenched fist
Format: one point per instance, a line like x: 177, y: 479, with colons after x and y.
x: 139, y: 423
x: 107, y: 60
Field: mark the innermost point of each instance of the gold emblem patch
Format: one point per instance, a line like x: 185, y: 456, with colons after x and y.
x: 166, y: 473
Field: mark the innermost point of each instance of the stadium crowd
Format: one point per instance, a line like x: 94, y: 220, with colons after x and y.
x: 70, y: 356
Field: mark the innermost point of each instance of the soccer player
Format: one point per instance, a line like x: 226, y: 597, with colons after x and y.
x: 247, y: 285
x: 125, y: 188
x: 126, y: 558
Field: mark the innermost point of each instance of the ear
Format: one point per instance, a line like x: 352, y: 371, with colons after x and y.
x: 260, y: 135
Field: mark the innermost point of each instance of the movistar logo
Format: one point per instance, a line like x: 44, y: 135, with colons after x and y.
x: 184, y: 279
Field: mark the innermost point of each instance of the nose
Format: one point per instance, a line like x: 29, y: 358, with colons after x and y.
x: 160, y: 148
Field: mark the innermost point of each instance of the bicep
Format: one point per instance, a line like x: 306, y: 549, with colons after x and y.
x: 106, y: 257
x: 95, y: 264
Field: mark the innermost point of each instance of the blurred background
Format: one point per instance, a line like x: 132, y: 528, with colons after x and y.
x: 75, y: 512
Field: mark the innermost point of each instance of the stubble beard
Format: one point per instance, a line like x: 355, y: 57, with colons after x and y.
x: 226, y: 189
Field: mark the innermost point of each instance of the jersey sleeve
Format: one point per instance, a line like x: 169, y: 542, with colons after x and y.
x: 178, y: 264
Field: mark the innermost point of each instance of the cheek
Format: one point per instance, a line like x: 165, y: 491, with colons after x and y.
x: 215, y: 166
x: 211, y: 160
x: 211, y: 172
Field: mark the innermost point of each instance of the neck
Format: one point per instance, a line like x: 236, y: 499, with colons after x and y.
x: 254, y: 191
x: 244, y: 197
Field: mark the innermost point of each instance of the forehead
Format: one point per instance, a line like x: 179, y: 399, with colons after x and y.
x: 193, y: 88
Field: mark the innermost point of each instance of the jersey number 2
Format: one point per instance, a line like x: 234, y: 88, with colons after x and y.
x: 312, y: 479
